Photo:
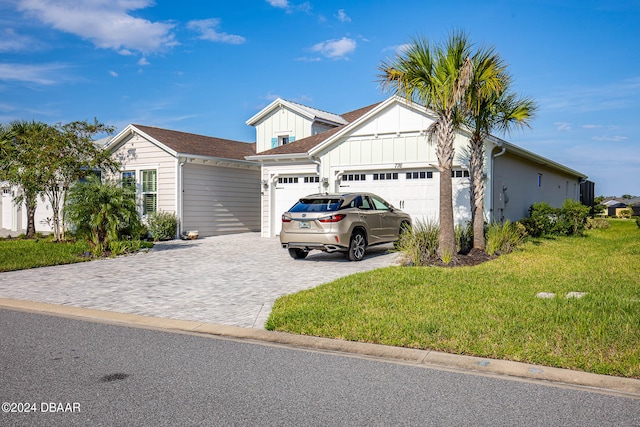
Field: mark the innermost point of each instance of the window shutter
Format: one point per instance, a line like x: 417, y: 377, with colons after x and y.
x: 274, y: 142
x: 291, y: 139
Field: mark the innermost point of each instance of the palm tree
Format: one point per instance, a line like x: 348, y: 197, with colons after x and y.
x: 490, y: 108
x: 437, y: 76
x: 101, y: 211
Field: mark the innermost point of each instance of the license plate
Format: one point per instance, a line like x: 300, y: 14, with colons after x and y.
x: 304, y: 224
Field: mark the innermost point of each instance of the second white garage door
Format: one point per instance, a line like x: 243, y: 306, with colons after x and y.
x: 415, y: 191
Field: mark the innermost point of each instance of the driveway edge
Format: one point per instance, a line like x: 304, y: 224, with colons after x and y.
x: 628, y: 387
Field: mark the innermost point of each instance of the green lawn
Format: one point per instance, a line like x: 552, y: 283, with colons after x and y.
x: 491, y: 310
x: 20, y: 254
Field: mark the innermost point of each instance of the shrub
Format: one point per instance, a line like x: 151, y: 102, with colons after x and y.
x: 542, y: 220
x: 572, y: 219
x: 624, y: 213
x: 162, y: 225
x: 504, y: 237
x: 638, y: 221
x: 464, y: 237
x: 597, y: 223
x: 420, y: 242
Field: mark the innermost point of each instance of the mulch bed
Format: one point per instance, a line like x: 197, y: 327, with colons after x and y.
x: 473, y: 257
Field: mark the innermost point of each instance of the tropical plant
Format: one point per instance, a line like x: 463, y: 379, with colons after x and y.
x: 102, y: 212
x: 436, y: 76
x: 491, y: 106
x: 504, y: 237
x: 419, y: 243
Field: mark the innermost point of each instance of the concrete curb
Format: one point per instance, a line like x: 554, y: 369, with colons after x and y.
x: 627, y: 387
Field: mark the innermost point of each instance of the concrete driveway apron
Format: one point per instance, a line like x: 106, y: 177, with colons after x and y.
x: 231, y: 279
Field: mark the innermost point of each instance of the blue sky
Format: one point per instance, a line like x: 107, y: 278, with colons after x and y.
x: 206, y: 67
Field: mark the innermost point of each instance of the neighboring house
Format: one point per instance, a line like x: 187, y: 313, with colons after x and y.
x: 617, y: 207
x: 385, y: 149
x: 13, y: 217
x: 205, y: 181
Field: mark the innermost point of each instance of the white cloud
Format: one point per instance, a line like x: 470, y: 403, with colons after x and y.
x: 616, y: 138
x: 113, y: 73
x: 342, y: 16
x: 563, y: 126
x: 335, y: 49
x: 10, y: 41
x: 40, y: 74
x: 282, y: 4
x: 106, y: 23
x: 143, y: 61
x: 207, y: 30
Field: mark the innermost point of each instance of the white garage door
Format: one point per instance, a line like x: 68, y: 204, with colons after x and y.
x: 288, y: 190
x: 415, y: 191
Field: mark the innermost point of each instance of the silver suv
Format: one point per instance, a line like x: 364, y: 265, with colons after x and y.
x: 341, y: 222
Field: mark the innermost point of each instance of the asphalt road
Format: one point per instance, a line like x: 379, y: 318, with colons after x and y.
x: 108, y: 375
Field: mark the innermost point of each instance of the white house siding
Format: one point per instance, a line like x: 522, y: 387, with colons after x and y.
x: 515, y: 187
x: 138, y: 154
x: 220, y: 200
x: 395, y: 141
x: 282, y: 120
x: 14, y: 217
x: 279, y: 197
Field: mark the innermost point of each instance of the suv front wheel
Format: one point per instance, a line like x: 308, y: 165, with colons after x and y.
x: 357, y: 246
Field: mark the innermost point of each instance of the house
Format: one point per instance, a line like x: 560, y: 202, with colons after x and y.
x: 384, y: 148
x: 619, y: 208
x: 13, y: 217
x: 205, y: 181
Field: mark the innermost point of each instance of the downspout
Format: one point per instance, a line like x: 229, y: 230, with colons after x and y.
x: 492, y: 177
x: 180, y: 195
x: 318, y: 171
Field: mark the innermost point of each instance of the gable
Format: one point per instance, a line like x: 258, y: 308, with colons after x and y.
x: 177, y: 143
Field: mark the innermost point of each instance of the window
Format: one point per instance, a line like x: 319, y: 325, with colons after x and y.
x: 460, y: 173
x: 129, y: 180
x: 539, y: 180
x: 149, y: 191
x: 385, y: 176
x: 379, y: 204
x: 288, y: 180
x: 283, y: 140
x: 419, y: 175
x: 354, y: 177
x: 311, y: 179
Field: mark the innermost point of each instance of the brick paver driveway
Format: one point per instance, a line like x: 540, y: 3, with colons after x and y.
x: 225, y: 279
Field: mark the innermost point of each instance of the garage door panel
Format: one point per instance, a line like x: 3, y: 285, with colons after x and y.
x: 287, y: 191
x: 413, y: 191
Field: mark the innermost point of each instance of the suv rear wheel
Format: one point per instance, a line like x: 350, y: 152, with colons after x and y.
x: 357, y: 246
x: 298, y: 253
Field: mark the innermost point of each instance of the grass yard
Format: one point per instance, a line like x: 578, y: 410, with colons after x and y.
x: 491, y: 310
x: 20, y: 254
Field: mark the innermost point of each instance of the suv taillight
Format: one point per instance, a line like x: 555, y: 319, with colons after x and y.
x: 332, y: 218
x: 286, y: 218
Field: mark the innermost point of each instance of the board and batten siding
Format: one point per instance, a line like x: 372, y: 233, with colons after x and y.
x: 220, y: 200
x: 138, y: 154
x: 282, y: 120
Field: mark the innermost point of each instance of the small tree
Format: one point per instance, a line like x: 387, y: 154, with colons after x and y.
x: 72, y: 155
x: 102, y: 212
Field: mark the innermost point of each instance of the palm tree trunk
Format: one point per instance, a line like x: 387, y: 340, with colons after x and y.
x: 445, y: 154
x: 477, y: 192
x: 31, y: 203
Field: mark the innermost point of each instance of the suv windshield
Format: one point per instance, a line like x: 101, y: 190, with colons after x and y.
x: 316, y: 205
